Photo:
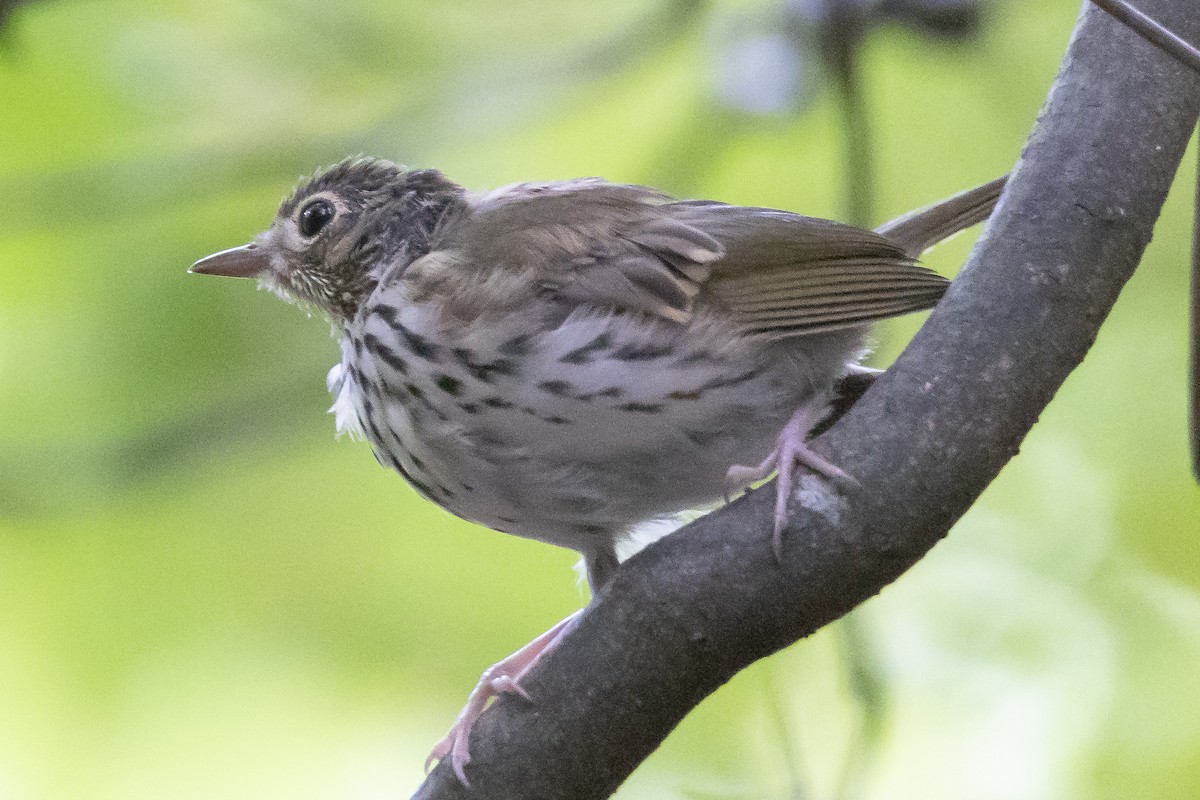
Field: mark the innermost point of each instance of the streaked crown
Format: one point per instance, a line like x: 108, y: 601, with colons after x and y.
x: 337, y: 232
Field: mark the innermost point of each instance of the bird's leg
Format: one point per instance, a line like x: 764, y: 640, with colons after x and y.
x: 503, y: 677
x: 849, y: 390
x: 791, y: 449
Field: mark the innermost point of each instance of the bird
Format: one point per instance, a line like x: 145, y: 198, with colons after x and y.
x: 565, y: 360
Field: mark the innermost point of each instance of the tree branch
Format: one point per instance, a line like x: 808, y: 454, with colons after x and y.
x: 1150, y: 30
x: 680, y: 618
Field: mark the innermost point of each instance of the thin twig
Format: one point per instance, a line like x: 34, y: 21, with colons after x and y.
x: 1153, y: 31
x: 841, y: 42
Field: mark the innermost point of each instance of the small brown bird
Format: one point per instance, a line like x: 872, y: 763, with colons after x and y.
x: 562, y: 361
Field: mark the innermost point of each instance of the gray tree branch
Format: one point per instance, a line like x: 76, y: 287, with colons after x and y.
x: 680, y: 618
x: 1149, y: 29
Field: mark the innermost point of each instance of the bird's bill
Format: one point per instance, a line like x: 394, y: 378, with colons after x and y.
x: 247, y: 261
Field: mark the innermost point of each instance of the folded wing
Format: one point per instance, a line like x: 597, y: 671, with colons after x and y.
x: 629, y: 248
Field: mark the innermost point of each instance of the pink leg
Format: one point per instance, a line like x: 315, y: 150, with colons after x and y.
x: 790, y: 449
x: 500, y: 678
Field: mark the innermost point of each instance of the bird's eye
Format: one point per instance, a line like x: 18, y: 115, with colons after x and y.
x: 314, y: 216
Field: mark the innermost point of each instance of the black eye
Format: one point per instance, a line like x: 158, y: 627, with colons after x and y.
x: 314, y: 216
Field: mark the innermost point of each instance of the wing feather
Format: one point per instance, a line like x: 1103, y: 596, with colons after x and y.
x: 630, y: 248
x: 789, y: 275
x: 595, y: 243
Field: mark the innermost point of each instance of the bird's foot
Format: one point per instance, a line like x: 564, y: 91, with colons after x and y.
x: 791, y: 449
x: 503, y: 677
x: 739, y: 477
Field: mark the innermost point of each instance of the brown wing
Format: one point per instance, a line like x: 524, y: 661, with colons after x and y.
x: 630, y: 248
x: 590, y: 242
x: 785, y: 274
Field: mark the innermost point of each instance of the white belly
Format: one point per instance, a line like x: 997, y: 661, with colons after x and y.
x: 578, y: 431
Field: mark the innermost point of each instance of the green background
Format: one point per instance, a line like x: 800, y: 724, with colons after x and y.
x: 203, y: 595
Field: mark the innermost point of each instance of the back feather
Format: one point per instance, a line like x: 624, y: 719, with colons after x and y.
x: 630, y: 248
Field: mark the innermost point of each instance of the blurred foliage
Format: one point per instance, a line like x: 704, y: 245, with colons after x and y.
x: 203, y: 595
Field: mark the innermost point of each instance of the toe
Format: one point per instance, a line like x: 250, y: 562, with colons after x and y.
x: 739, y: 477
x: 439, y: 750
x: 455, y: 745
x: 506, y: 684
x: 783, y: 491
x: 502, y: 677
x: 459, y: 758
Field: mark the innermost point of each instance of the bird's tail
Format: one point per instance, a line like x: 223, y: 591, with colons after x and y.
x: 919, y: 230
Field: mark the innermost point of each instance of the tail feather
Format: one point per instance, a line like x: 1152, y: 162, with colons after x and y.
x: 919, y: 230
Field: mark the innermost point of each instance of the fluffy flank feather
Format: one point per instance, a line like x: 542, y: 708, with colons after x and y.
x: 345, y: 413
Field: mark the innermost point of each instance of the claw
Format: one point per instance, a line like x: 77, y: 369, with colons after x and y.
x: 740, y: 477
x: 790, y: 450
x: 503, y: 677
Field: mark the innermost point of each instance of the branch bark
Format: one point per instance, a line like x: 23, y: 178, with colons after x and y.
x: 680, y: 618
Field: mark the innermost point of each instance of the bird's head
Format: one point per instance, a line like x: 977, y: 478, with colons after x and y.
x: 338, y: 231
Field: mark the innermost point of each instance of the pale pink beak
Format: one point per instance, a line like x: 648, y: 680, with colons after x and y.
x: 247, y: 261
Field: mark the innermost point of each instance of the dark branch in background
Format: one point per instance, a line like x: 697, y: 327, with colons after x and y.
x: 7, y: 10
x: 840, y: 29
x: 843, y: 30
x: 841, y: 37
x: 681, y: 617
